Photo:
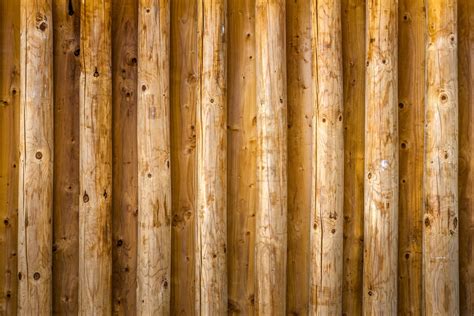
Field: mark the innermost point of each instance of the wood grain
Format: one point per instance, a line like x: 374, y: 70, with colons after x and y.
x: 66, y: 17
x: 241, y: 158
x: 35, y: 200
x: 440, y: 174
x: 271, y: 221
x: 381, y: 164
x: 9, y: 138
x: 95, y: 231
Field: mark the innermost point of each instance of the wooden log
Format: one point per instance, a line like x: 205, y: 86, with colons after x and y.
x: 66, y: 17
x: 211, y: 115
x: 95, y: 252
x: 353, y: 47
x: 466, y: 154
x: 124, y: 152
x: 411, y: 88
x: 184, y: 92
x: 271, y: 221
x: 35, y: 196
x: 381, y: 160
x: 242, y: 148
x: 326, y: 245
x: 300, y: 113
x: 440, y: 180
x: 9, y: 138
x: 154, y: 173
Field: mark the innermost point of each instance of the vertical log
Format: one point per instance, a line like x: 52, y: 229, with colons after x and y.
x: 95, y: 264
x: 154, y: 173
x: 66, y: 16
x: 271, y: 230
x: 326, y: 246
x: 242, y: 147
x: 211, y: 225
x: 353, y: 47
x: 36, y: 159
x: 466, y: 154
x: 381, y: 164
x: 300, y: 113
x: 124, y: 153
x: 9, y: 137
x: 184, y: 93
x: 411, y: 88
x: 440, y: 180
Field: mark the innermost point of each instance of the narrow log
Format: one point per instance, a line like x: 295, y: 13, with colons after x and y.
x: 300, y: 113
x: 67, y: 57
x: 211, y: 116
x: 440, y: 176
x: 353, y: 46
x: 411, y: 95
x: 466, y: 155
x: 242, y: 150
x: 326, y: 246
x: 154, y: 173
x: 271, y: 228
x: 9, y: 138
x: 95, y: 252
x: 381, y: 160
x: 35, y: 196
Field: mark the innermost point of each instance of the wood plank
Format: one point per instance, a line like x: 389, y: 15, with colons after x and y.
x: 411, y: 90
x: 124, y: 153
x: 35, y: 200
x: 300, y: 113
x: 353, y: 48
x: 184, y: 84
x: 381, y: 164
x: 9, y: 138
x: 242, y: 150
x: 326, y: 246
x: 66, y: 17
x: 95, y: 227
x: 466, y: 152
x: 440, y: 174
x: 154, y: 174
x: 271, y: 221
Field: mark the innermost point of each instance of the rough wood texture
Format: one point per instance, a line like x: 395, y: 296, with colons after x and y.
x: 124, y: 152
x: 381, y: 164
x: 466, y: 153
x: 242, y: 150
x: 211, y: 114
x: 271, y: 221
x: 184, y: 87
x: 66, y: 17
x: 154, y: 173
x: 300, y: 113
x: 353, y: 47
x: 411, y: 88
x: 95, y: 251
x: 35, y: 196
x: 9, y: 137
x: 326, y: 244
x: 440, y: 180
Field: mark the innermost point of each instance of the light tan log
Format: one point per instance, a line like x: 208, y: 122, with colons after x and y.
x: 440, y: 180
x: 381, y: 160
x: 211, y: 116
x: 154, y: 173
x: 35, y: 194
x: 271, y: 230
x: 95, y: 264
x: 326, y: 247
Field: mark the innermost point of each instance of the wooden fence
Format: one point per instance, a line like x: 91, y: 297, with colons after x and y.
x: 237, y: 156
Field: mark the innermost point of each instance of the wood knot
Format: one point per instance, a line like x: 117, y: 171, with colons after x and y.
x: 38, y: 155
x: 36, y: 276
x: 41, y: 22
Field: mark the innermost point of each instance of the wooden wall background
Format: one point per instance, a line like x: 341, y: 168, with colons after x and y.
x: 435, y: 39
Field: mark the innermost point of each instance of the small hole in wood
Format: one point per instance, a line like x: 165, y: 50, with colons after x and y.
x: 401, y: 105
x: 36, y: 276
x: 38, y: 155
x: 77, y: 52
x: 85, y: 198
